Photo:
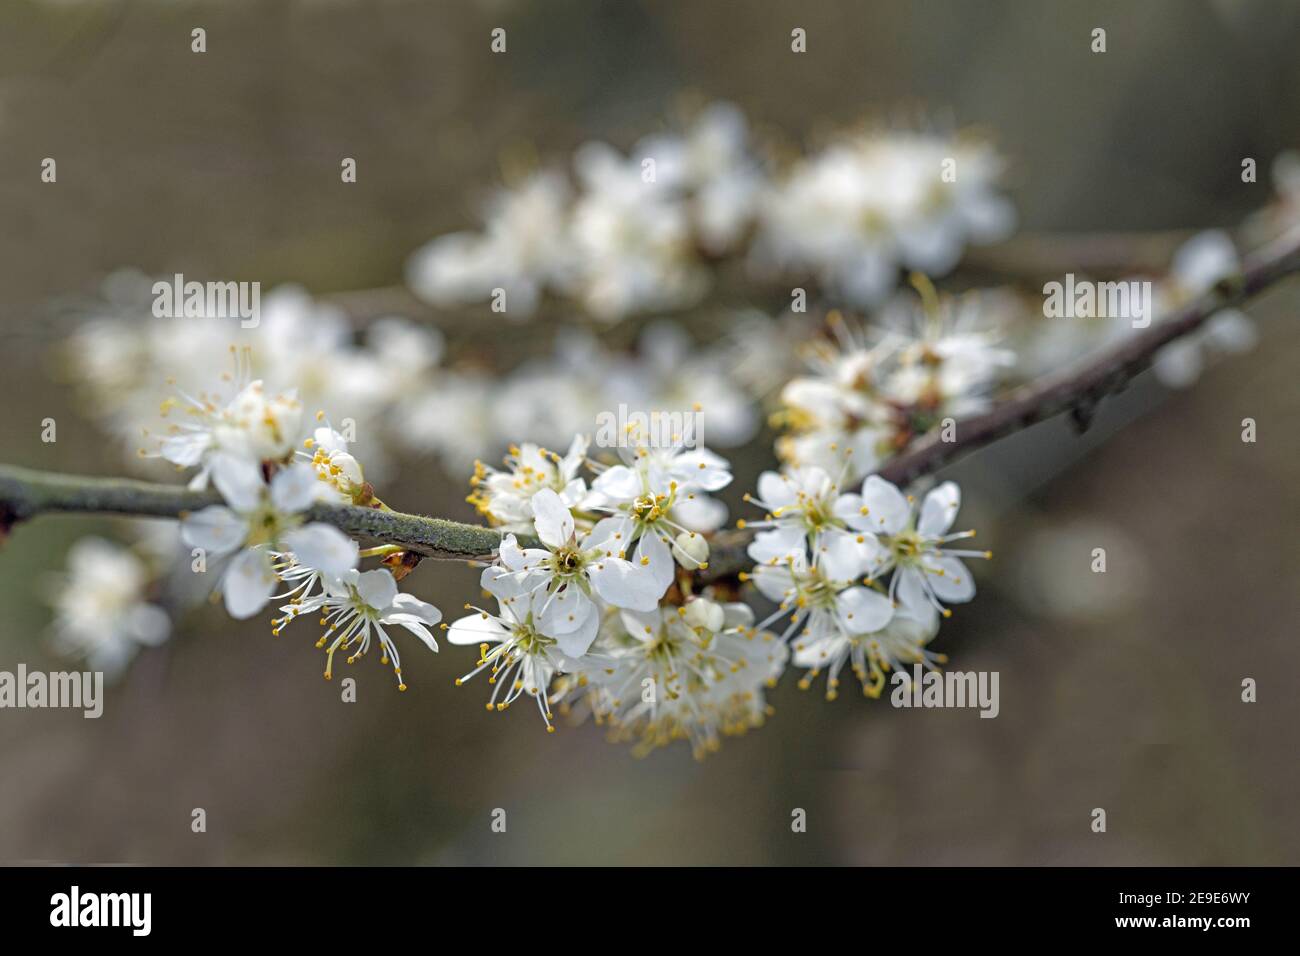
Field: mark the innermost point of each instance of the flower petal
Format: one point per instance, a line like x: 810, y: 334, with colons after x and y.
x: 248, y: 583
x: 623, y: 584
x: 295, y: 488
x: 322, y: 547
x: 552, y: 519
x: 239, y: 481
x: 216, y: 529
x: 862, y: 610
x: 953, y: 584
x: 939, y: 509
x: 576, y: 643
x: 476, y: 629
x: 377, y: 588
x: 887, y: 508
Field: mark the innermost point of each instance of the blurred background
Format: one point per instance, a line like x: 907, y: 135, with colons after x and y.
x: 1119, y: 691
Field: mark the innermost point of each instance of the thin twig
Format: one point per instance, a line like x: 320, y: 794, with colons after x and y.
x: 26, y: 493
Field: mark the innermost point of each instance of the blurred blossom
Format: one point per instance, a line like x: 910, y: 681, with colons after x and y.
x: 129, y: 362
x: 869, y: 390
x: 524, y: 249
x: 870, y: 204
x: 101, y: 611
x: 643, y: 232
x: 1054, y: 573
x: 633, y: 238
x: 1200, y: 263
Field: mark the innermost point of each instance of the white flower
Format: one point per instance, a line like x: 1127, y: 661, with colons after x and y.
x: 355, y: 602
x: 901, y: 641
x: 571, y: 574
x: 818, y: 605
x: 656, y: 500
x: 334, y: 465
x: 711, y: 163
x: 805, y: 510
x: 1198, y: 265
x: 101, y: 611
x: 522, y: 659
x: 524, y: 250
x: 258, y: 520
x: 632, y: 238
x: 251, y: 424
x: 671, y: 677
x: 911, y: 543
x: 505, y: 497
x: 949, y: 360
x: 867, y: 205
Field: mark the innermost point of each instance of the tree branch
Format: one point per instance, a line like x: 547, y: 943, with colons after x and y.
x: 25, y: 493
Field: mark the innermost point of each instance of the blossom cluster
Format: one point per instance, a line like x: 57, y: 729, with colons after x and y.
x: 248, y: 443
x: 868, y: 392
x: 644, y: 231
x: 860, y: 578
x: 600, y: 618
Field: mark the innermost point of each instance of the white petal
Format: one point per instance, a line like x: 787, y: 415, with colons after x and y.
x: 776, y: 490
x: 409, y: 604
x: 322, y: 547
x: 623, y: 584
x: 774, y: 582
x: 887, y: 508
x: 699, y: 512
x: 552, y: 519
x: 955, y: 585
x: 654, y: 555
x: 248, y: 583
x: 377, y: 588
x: 239, y: 481
x: 415, y: 626
x: 565, y: 611
x: 840, y: 556
x: 216, y: 529
x: 295, y: 488
x: 613, y: 535
x: 475, y: 629
x: 911, y: 592
x: 575, y: 643
x: 862, y: 610
x: 939, y: 509
x: 777, y: 544
x: 185, y: 449
x: 618, y: 484
x: 702, y: 469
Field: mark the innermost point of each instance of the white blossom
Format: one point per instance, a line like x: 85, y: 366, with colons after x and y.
x: 102, y: 611
x: 259, y: 519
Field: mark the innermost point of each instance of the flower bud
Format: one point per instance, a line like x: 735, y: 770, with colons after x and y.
x: 706, y: 614
x: 690, y: 549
